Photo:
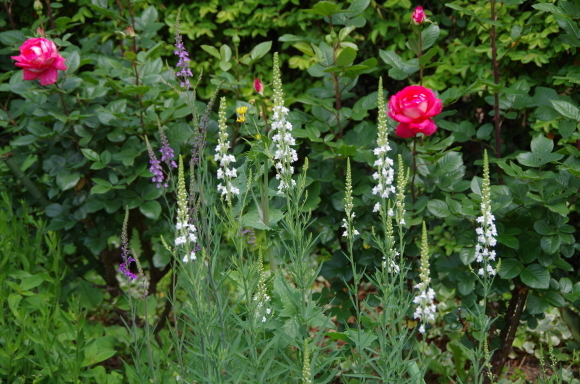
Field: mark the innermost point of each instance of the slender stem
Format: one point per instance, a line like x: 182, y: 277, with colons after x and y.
x: 9, y: 12
x: 496, y: 117
x: 25, y: 180
x: 62, y: 99
x: 414, y: 168
x: 49, y: 12
x: 419, y: 57
x: 264, y: 115
x: 148, y: 340
x: 337, y: 103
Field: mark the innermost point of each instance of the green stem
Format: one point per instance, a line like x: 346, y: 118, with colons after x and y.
x: 19, y: 175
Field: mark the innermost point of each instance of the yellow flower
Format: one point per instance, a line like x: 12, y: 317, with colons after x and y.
x: 241, y: 114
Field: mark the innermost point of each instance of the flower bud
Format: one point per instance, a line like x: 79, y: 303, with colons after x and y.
x: 129, y: 31
x: 236, y: 40
x: 258, y: 86
x: 37, y: 6
x: 419, y: 16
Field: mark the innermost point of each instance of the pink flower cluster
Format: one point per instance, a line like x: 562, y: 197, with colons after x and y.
x: 39, y: 59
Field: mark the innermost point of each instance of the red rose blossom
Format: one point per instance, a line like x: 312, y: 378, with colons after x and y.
x: 413, y: 108
x: 258, y: 86
x: 39, y: 59
x: 418, y: 16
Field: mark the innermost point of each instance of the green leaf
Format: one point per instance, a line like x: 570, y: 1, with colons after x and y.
x: 212, y: 51
x: 537, y: 304
x: 53, y: 210
x: 90, y: 154
x: 510, y: 268
x: 565, y: 285
x: 23, y: 140
x: 323, y: 8
x: 549, y: 8
x: 151, y: 209
x: 528, y: 159
x: 438, y: 208
x: 99, y: 350
x: 362, y: 339
x: 566, y: 109
x: 467, y: 255
x: 429, y: 36
x: 66, y: 180
x: 509, y: 240
x: 551, y: 244
x: 542, y: 146
x: 346, y: 57
x: 73, y: 60
x: 260, y: 50
x: 304, y: 48
x: 11, y: 38
x: 450, y: 162
x: 391, y: 58
x: 225, y: 52
x: 554, y: 298
x: 99, y: 189
x: 31, y: 282
x: 149, y: 16
x: 536, y: 276
x: 561, y: 209
x: 543, y: 228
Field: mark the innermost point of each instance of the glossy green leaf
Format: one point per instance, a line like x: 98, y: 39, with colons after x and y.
x: 535, y: 276
x: 151, y: 209
x: 346, y: 57
x: 510, y: 268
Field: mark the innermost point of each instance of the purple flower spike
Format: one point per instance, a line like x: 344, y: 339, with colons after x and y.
x: 167, y: 154
x: 155, y: 168
x: 183, y: 64
x: 125, y: 253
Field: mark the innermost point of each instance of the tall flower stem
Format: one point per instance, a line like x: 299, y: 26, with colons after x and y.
x: 414, y: 168
x: 495, y: 63
x: 419, y: 57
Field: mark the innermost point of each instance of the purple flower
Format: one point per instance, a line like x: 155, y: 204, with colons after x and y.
x: 155, y: 167
x: 183, y: 64
x: 167, y: 154
x: 125, y: 253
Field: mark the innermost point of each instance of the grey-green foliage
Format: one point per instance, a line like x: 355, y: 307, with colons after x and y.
x: 43, y: 334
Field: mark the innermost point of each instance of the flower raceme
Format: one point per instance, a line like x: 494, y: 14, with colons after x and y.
x: 418, y: 16
x: 39, y: 59
x: 413, y: 108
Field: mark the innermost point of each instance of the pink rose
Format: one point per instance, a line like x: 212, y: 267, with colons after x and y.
x: 258, y: 86
x: 413, y: 108
x: 418, y: 16
x: 39, y: 58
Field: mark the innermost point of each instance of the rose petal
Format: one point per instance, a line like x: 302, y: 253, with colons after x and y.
x: 435, y: 108
x: 29, y: 75
x: 49, y: 76
x: 403, y: 130
x: 426, y: 127
x: 413, y: 113
x: 59, y: 63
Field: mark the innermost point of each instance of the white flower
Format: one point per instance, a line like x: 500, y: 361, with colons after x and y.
x: 487, y: 231
x: 190, y: 257
x: 225, y: 159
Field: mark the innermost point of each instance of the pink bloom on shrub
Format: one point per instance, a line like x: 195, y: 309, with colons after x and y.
x: 258, y: 86
x: 418, y: 16
x: 39, y: 59
x: 413, y: 108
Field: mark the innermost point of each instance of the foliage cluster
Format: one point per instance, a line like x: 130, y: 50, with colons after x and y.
x: 503, y: 70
